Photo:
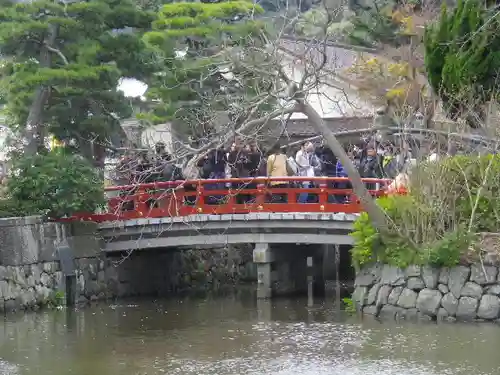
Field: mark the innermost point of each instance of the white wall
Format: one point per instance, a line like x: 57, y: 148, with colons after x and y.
x: 328, y: 100
x: 158, y: 133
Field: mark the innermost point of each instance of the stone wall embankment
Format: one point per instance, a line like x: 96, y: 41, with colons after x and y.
x: 171, y: 271
x: 30, y: 271
x: 465, y: 292
x: 31, y: 274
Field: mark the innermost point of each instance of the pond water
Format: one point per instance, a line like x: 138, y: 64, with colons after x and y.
x: 229, y: 335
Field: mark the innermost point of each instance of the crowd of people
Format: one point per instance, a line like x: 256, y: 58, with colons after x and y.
x: 247, y: 160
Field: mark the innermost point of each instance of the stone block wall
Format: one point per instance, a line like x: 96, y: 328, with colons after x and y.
x: 28, y: 286
x: 465, y: 292
x: 169, y: 271
x: 31, y: 275
x: 30, y: 272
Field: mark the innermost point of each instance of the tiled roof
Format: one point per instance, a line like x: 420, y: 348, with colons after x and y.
x: 321, y: 54
x: 301, y: 128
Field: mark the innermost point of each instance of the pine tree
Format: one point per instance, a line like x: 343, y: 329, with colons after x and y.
x: 462, y: 58
x: 380, y: 23
x: 206, y: 48
x: 374, y: 25
x: 62, y: 64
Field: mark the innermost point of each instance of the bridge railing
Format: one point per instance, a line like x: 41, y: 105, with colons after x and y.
x: 235, y: 195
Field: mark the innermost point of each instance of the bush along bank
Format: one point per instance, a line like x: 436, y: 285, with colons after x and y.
x: 439, y: 258
x: 450, y: 202
x: 464, y: 292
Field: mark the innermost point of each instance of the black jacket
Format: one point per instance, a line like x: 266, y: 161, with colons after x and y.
x: 371, y: 167
x: 239, y: 161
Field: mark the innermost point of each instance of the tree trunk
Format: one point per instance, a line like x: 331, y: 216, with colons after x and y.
x: 99, y: 159
x: 33, y: 134
x: 85, y: 148
x: 376, y: 214
x: 32, y: 131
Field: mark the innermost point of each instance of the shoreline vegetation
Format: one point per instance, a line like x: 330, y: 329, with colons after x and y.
x: 451, y: 205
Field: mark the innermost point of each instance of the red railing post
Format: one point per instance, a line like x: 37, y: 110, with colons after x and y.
x: 323, y: 193
x: 140, y: 200
x: 230, y: 198
x: 200, y: 196
x: 177, y: 199
x: 260, y: 198
x: 293, y: 186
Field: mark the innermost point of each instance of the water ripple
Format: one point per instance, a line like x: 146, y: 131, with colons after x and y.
x: 7, y: 368
x: 226, y: 337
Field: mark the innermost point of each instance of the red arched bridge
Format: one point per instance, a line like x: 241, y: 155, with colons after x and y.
x: 213, y: 212
x: 297, y: 230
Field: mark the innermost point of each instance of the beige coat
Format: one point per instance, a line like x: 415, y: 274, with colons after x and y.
x: 276, y: 167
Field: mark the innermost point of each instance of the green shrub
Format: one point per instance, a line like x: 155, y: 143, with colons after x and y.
x: 434, y: 224
x: 9, y: 208
x: 400, y: 253
x: 448, y: 251
x: 366, y: 241
x: 54, y: 184
x: 393, y: 248
x: 402, y: 245
x: 472, y: 175
x: 349, y: 305
x: 452, y: 187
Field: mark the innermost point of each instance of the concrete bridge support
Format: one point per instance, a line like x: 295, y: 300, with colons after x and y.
x: 338, y: 272
x: 284, y: 269
x: 263, y: 256
x: 337, y: 263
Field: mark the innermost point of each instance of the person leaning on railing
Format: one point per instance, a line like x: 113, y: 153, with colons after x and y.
x: 239, y: 161
x: 340, y: 172
x: 370, y: 165
x: 303, y: 160
x: 255, y: 157
x: 277, y: 166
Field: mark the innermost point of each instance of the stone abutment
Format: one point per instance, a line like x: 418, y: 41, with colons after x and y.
x: 464, y: 292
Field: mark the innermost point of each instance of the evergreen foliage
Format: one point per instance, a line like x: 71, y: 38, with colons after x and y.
x: 273, y: 5
x: 75, y: 53
x: 206, y: 49
x: 53, y: 184
x: 372, y: 25
x: 379, y: 23
x: 462, y: 57
x: 317, y: 21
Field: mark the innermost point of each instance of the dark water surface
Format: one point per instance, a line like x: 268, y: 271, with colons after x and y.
x: 229, y: 335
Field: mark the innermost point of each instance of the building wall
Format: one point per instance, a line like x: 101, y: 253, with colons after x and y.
x: 158, y: 133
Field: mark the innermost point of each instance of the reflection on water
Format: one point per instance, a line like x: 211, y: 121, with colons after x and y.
x: 225, y: 336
